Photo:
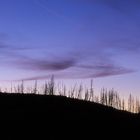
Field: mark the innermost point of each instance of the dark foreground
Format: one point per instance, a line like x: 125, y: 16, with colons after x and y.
x: 56, y: 116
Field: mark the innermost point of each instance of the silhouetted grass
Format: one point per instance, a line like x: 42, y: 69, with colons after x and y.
x: 107, y: 97
x: 69, y: 112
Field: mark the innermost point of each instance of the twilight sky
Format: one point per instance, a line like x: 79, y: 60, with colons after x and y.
x: 72, y: 39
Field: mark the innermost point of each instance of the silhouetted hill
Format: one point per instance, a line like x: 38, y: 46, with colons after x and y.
x: 58, y: 113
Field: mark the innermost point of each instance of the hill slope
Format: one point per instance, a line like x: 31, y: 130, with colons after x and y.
x: 54, y: 112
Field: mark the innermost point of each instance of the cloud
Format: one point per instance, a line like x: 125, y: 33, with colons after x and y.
x: 42, y: 77
x: 64, y: 66
x: 97, y: 66
x: 46, y: 65
x: 96, y: 71
x: 103, y: 70
x: 78, y: 64
x: 68, y: 66
x: 111, y: 71
x: 94, y: 75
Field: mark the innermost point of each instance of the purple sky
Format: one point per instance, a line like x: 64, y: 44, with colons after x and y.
x: 72, y: 39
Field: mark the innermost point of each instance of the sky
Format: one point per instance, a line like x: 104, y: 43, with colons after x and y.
x: 75, y: 40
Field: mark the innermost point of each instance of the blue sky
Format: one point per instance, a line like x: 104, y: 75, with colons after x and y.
x: 72, y: 39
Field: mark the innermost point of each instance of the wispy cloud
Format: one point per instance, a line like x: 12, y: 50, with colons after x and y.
x: 92, y: 63
x: 95, y: 74
x: 110, y: 71
x: 83, y: 71
x: 45, y: 65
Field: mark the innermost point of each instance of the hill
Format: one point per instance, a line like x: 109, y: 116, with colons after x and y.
x: 54, y: 112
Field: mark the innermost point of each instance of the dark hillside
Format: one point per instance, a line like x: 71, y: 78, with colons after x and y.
x: 55, y: 112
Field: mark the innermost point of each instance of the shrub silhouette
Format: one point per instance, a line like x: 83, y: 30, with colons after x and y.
x: 107, y: 97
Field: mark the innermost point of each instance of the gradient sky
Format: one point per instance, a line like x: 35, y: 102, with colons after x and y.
x: 72, y: 39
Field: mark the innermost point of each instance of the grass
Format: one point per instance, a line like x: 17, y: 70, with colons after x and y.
x: 67, y: 115
x: 109, y: 98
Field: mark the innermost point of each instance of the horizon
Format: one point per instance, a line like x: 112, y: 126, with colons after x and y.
x: 74, y: 40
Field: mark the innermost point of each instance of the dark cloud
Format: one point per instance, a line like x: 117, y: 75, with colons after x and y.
x: 97, y: 67
x: 94, y: 75
x: 103, y: 70
x: 44, y: 77
x: 110, y: 71
x: 100, y: 65
x: 45, y: 65
x: 97, y: 71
